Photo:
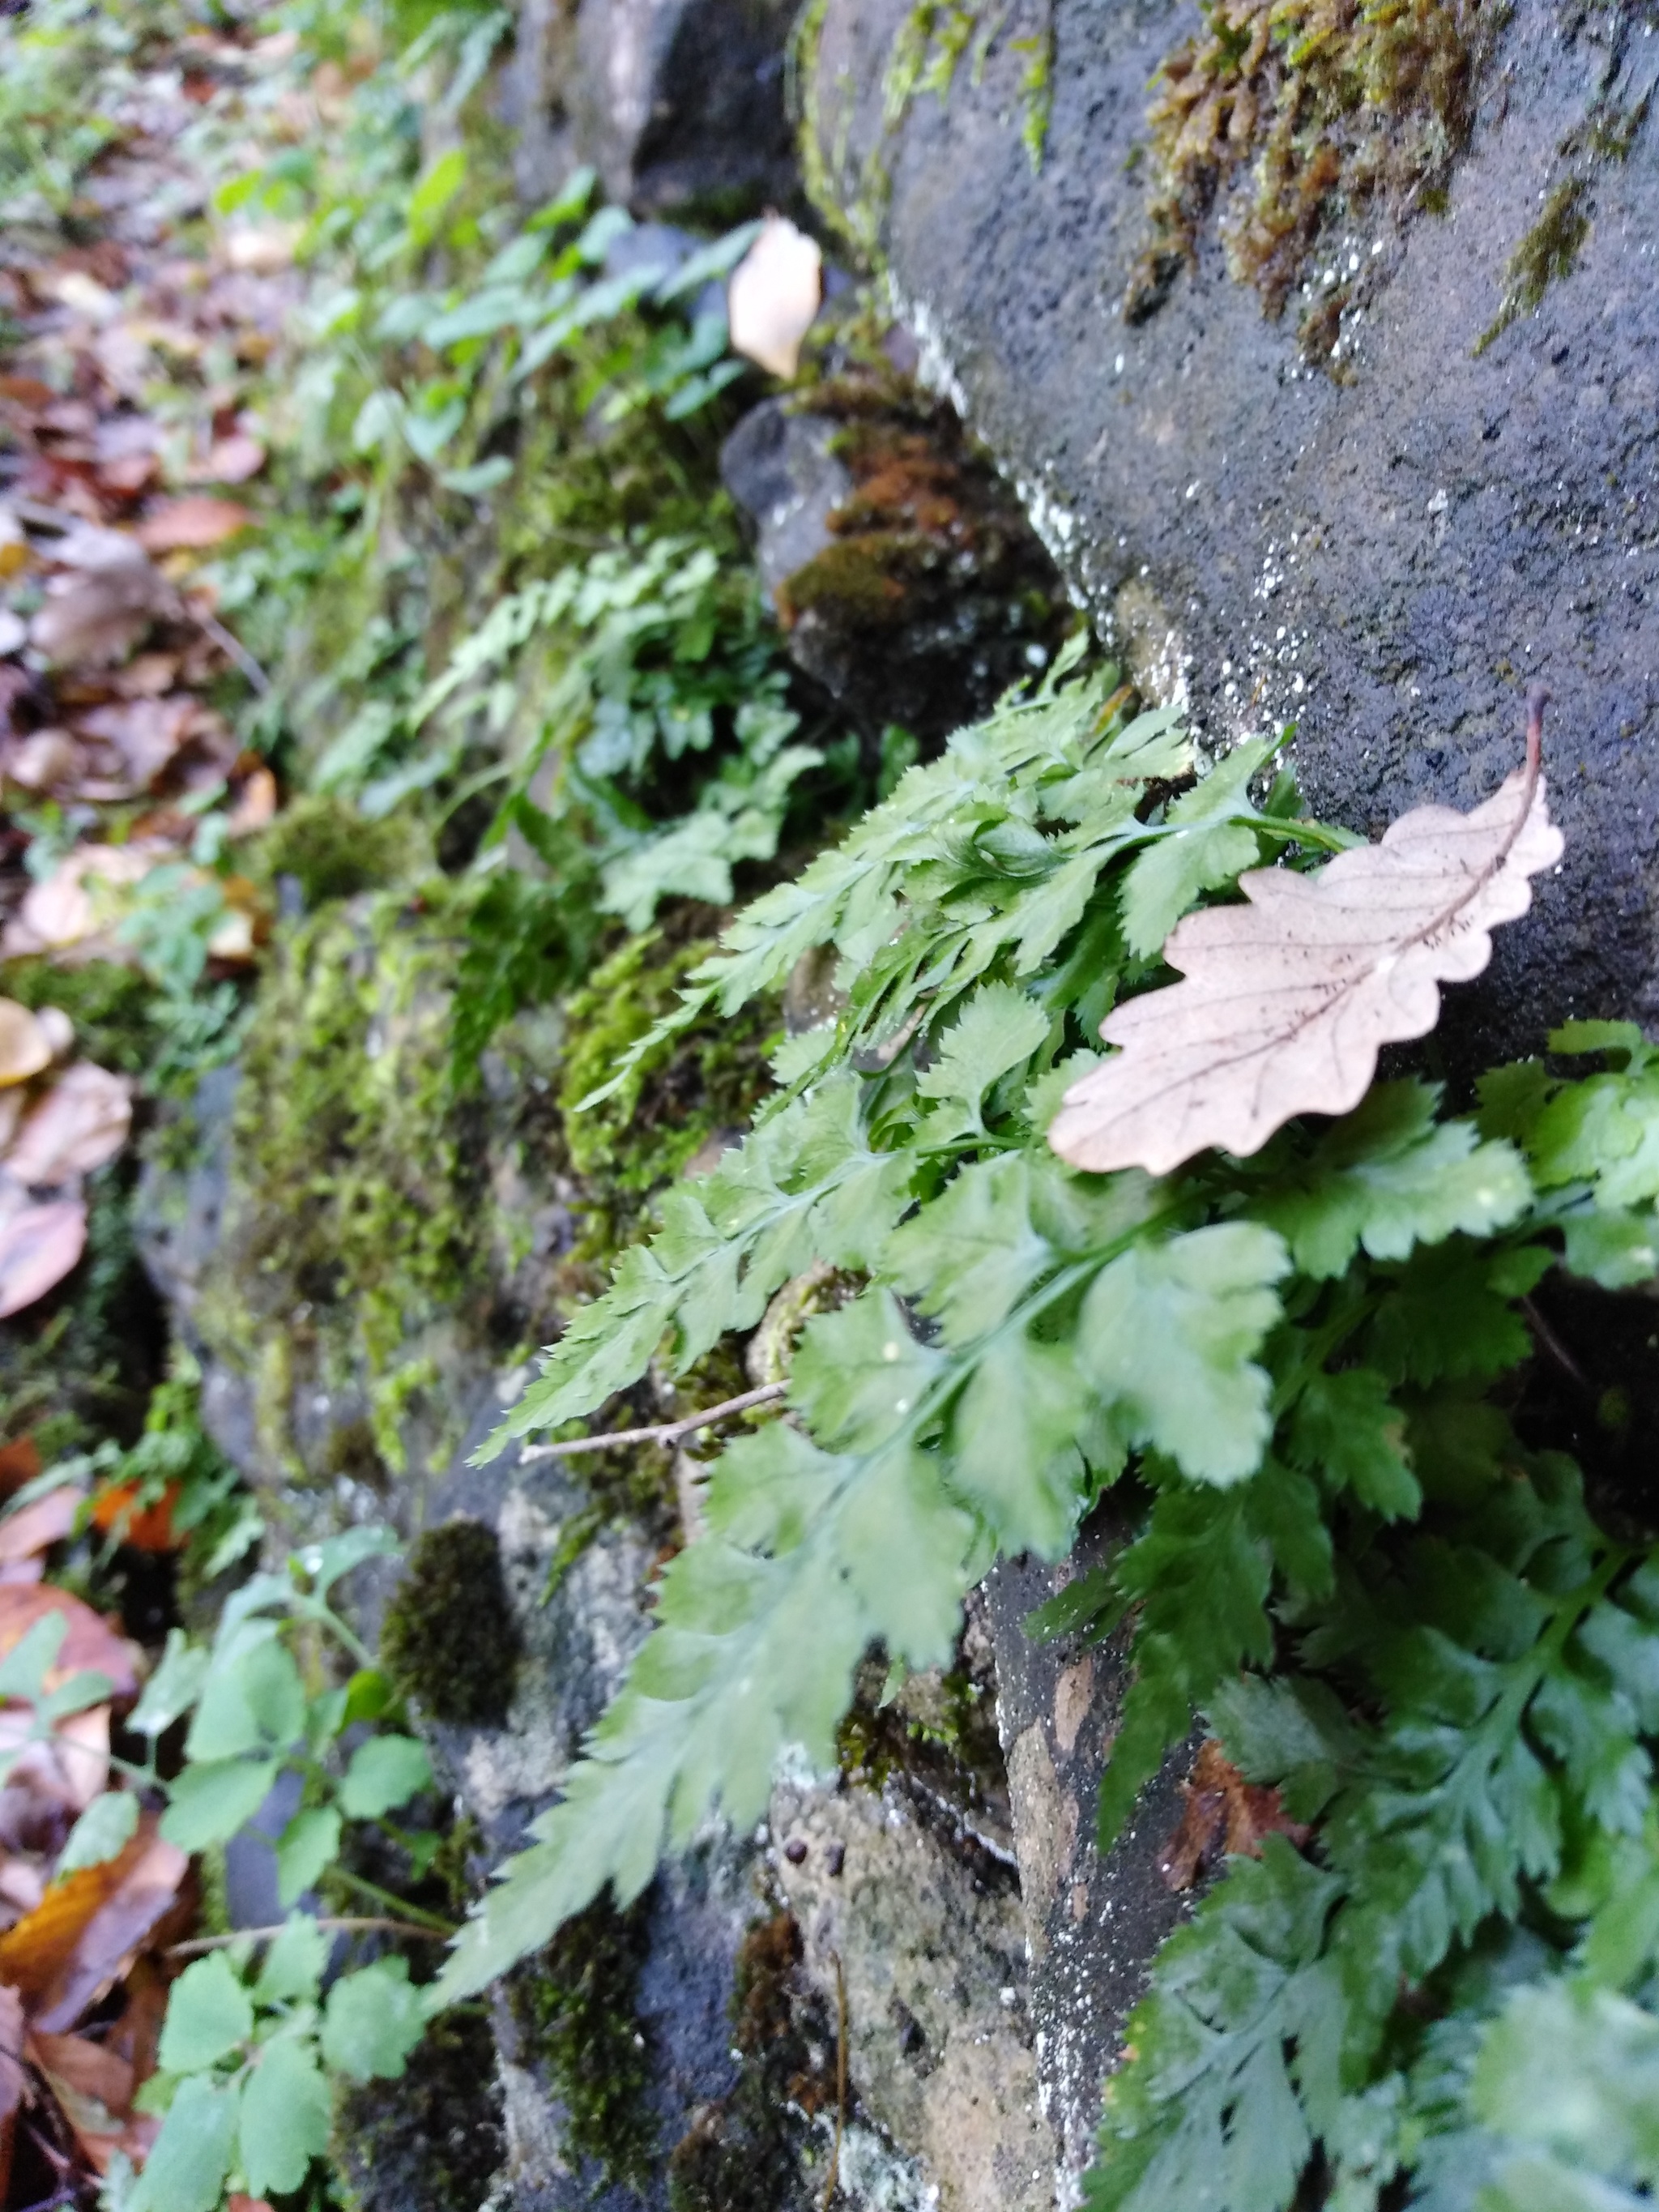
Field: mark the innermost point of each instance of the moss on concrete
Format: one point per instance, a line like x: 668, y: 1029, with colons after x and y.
x: 448, y: 1640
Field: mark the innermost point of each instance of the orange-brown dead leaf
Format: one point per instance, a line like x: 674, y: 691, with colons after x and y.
x: 1222, y: 1815
x: 87, y: 1929
x: 11, y: 2081
x: 115, y: 1512
x: 93, y: 2089
x: 1286, y: 1001
x: 19, y: 1462
x: 189, y: 524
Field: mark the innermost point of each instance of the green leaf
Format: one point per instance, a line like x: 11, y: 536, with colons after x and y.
x: 310, y: 1842
x: 1614, y: 1246
x: 208, y: 1804
x: 102, y: 1833
x: 209, y: 2016
x: 253, y: 1700
x: 997, y: 1032
x: 173, y: 1688
x: 373, y: 2020
x: 190, y: 2160
x: 1448, y: 1313
x: 1575, y: 2072
x: 1347, y: 1428
x: 285, y: 2116
x: 1166, y: 1338
x: 433, y: 194
x: 1387, y: 1176
x: 294, y: 1963
x: 969, y: 1257
x: 1202, y: 848
x: 1014, y: 1438
x: 385, y: 1771
x: 859, y: 1372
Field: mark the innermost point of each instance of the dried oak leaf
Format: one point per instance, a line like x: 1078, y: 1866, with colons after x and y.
x: 83, y: 1934
x: 772, y: 296
x: 1222, y: 1815
x: 81, y: 1123
x: 109, y: 593
x: 1285, y: 999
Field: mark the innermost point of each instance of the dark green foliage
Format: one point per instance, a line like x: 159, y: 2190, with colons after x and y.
x: 573, y: 2009
x: 331, y: 851
x: 448, y: 1641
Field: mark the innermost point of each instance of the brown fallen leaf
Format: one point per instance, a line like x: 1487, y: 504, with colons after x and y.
x: 86, y: 1931
x: 94, y: 2091
x: 1286, y: 1001
x: 1222, y: 1815
x: 772, y: 296
x: 81, y: 1123
x: 45, y: 760
x: 19, y: 1462
x: 256, y: 803
x: 25, y: 1047
x: 40, y: 1245
x: 190, y: 523
x: 145, y: 733
x: 89, y: 1646
x: 62, y: 1771
x: 108, y: 593
x: 69, y: 911
x: 233, y: 460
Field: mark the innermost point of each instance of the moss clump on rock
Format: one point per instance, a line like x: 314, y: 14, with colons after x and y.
x: 433, y: 2138
x: 333, y: 852
x: 574, y: 2008
x: 449, y: 1641
x: 1296, y: 110
x: 109, y: 1003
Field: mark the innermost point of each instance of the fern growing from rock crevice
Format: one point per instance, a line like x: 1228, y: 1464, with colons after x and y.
x: 1384, y: 1603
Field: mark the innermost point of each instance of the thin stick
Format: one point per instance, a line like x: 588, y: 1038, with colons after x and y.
x: 663, y: 1432
x: 350, y: 1924
x: 831, y: 2186
x: 228, y: 643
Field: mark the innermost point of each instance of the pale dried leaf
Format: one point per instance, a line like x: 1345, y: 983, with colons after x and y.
x: 62, y: 1772
x: 33, y: 1528
x: 1286, y: 1001
x: 71, y: 909
x: 90, y: 1645
x: 58, y: 1029
x: 190, y: 523
x: 772, y: 296
x: 38, y: 1246
x: 14, y: 631
x: 12, y: 1102
x: 234, y: 459
x: 45, y: 760
x: 25, y: 1047
x: 94, y: 2090
x: 109, y: 593
x: 11, y: 2078
x: 256, y: 803
x: 81, y: 1122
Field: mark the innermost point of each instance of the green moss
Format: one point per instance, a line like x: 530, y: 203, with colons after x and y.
x: 333, y: 852
x: 705, y: 1080
x: 1547, y: 251
x: 573, y: 2006
x: 448, y: 1641
x: 359, y: 1210
x: 744, y: 2152
x: 108, y: 1003
x: 432, y: 2138
x: 1295, y: 113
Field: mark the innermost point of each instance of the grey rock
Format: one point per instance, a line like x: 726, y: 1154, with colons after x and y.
x: 778, y: 466
x: 1093, y: 1921
x: 1386, y: 560
x: 678, y: 104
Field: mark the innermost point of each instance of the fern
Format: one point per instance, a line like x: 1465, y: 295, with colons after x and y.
x: 1386, y: 1605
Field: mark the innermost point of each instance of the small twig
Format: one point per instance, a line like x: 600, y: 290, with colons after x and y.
x: 348, y: 1923
x: 1558, y: 1351
x: 662, y: 1433
x: 212, y: 627
x: 831, y: 2186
